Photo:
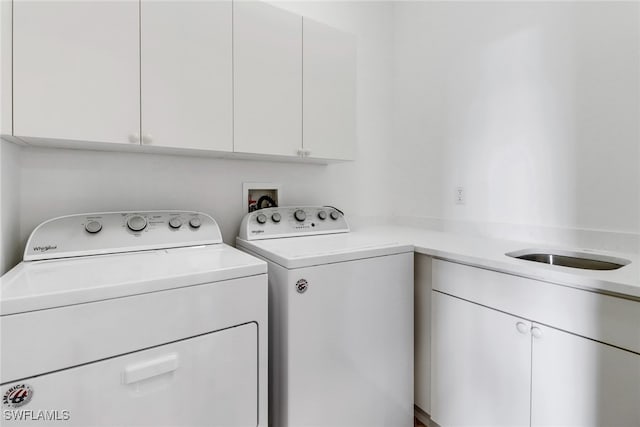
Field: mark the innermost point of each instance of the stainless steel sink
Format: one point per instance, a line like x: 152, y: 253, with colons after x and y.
x: 583, y: 260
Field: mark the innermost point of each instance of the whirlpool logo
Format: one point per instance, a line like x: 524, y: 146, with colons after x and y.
x: 44, y: 248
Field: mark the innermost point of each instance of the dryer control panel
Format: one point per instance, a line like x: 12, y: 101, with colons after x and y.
x: 293, y: 221
x: 117, y: 232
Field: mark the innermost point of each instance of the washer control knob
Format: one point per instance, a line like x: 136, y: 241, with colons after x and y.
x: 195, y: 222
x: 93, y: 227
x: 299, y: 215
x: 137, y: 223
x: 175, y: 223
x: 334, y: 215
x: 276, y: 217
x: 261, y: 218
x: 322, y: 215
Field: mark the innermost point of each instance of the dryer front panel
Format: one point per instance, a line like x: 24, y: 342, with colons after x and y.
x: 208, y: 380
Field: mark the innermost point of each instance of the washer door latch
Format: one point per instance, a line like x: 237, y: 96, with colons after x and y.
x: 301, y: 286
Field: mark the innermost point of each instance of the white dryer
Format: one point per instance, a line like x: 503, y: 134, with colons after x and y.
x: 340, y: 319
x: 133, y: 318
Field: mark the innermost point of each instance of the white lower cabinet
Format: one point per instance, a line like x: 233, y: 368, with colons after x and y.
x: 481, y: 365
x: 581, y: 382
x: 491, y: 367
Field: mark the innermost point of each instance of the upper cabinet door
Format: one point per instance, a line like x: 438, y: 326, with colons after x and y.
x: 329, y: 76
x: 267, y: 79
x: 76, y: 70
x: 187, y: 74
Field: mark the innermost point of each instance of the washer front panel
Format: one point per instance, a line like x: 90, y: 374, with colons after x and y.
x: 115, y: 232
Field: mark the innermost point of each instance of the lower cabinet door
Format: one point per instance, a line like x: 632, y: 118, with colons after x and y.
x: 581, y: 382
x: 210, y: 380
x: 481, y: 365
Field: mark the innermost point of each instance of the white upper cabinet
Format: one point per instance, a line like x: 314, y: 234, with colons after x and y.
x: 186, y: 74
x: 76, y: 70
x: 221, y: 76
x: 267, y: 79
x: 329, y: 92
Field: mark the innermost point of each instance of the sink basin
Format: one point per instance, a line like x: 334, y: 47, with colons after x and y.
x: 586, y: 261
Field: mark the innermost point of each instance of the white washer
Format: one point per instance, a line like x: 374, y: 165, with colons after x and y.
x: 341, y: 320
x: 134, y: 318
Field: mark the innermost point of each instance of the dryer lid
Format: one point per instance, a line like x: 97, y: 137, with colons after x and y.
x: 55, y: 283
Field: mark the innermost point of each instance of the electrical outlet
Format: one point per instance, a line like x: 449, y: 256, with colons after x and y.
x: 460, y: 196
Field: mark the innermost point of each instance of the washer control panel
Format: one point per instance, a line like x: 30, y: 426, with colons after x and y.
x: 272, y: 223
x: 115, y: 232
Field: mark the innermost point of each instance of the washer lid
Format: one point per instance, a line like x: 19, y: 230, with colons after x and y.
x: 55, y: 283
x: 298, y: 252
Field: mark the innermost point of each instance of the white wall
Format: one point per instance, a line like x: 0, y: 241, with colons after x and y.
x: 58, y: 181
x: 10, y: 252
x: 532, y: 107
x: 9, y: 153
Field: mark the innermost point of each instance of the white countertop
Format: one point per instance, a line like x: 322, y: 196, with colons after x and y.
x: 490, y: 254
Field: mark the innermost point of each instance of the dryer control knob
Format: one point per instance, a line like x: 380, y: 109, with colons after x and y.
x: 334, y: 215
x: 276, y: 217
x: 137, y: 223
x: 195, y: 222
x: 261, y: 218
x: 175, y: 223
x: 322, y: 215
x: 300, y: 215
x: 93, y: 227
